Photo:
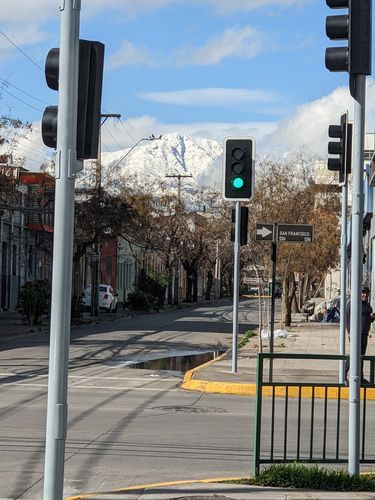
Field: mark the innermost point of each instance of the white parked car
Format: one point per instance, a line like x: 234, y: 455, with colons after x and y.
x: 107, y: 298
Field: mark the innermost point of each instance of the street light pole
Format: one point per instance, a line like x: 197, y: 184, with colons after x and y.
x: 151, y: 138
x: 95, y: 256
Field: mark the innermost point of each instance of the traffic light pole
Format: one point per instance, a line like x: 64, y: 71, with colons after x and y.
x: 236, y: 285
x: 356, y: 274
x: 273, y: 296
x: 343, y: 274
x: 66, y: 166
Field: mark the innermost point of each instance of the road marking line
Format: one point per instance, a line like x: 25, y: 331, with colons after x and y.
x: 135, y: 388
x: 121, y: 378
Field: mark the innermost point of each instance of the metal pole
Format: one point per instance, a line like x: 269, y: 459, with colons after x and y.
x: 344, y: 224
x: 236, y: 285
x: 356, y: 275
x: 66, y: 165
x: 273, y: 295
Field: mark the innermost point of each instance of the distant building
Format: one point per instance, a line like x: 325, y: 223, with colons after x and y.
x: 26, y: 230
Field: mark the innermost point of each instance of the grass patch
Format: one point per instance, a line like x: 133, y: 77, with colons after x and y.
x: 249, y: 334
x: 310, y: 477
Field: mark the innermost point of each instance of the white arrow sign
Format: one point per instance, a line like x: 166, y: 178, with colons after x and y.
x: 264, y: 231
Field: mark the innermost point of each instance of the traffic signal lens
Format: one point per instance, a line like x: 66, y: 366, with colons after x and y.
x: 237, y: 168
x: 237, y: 153
x: 238, y: 183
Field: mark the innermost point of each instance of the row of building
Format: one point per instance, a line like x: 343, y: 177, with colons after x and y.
x: 26, y: 239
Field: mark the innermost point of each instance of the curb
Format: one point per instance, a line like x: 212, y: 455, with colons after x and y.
x: 190, y: 383
x: 84, y: 496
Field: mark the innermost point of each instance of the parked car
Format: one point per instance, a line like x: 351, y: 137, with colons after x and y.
x: 107, y: 298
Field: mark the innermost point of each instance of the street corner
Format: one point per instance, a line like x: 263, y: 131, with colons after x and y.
x: 198, y: 380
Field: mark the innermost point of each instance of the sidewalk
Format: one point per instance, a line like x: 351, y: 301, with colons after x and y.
x: 306, y: 338
x: 211, y: 490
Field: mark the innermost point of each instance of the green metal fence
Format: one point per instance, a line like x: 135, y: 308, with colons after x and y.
x: 305, y: 422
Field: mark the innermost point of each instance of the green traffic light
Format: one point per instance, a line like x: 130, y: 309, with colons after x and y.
x: 237, y: 182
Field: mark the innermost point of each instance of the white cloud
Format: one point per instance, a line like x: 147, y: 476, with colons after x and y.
x: 26, y: 11
x: 244, y: 43
x: 21, y: 36
x: 308, y: 127
x: 129, y: 54
x: 222, y: 97
x: 114, y: 134
x: 37, y: 11
x: 226, y: 6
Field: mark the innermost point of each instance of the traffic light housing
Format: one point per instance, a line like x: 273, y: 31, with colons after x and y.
x: 355, y: 26
x: 243, y: 225
x: 238, y: 168
x: 342, y: 148
x: 90, y: 78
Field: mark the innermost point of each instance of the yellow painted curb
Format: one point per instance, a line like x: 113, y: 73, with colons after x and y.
x: 280, y: 391
x: 155, y: 485
x: 245, y: 389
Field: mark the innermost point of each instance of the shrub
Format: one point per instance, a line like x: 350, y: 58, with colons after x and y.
x: 154, y: 283
x: 35, y: 298
x: 249, y: 334
x: 140, y: 301
x: 310, y: 477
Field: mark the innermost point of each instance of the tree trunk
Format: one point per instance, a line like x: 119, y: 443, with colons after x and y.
x: 170, y: 289
x: 289, y: 292
x: 195, y: 287
x: 189, y: 292
x: 210, y: 279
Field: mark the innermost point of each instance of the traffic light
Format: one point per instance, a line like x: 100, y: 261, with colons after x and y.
x: 355, y: 26
x: 238, y: 168
x: 49, y: 120
x: 90, y: 77
x: 343, y: 148
x: 91, y: 62
x: 243, y: 225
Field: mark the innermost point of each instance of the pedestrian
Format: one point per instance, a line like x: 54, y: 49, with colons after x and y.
x: 333, y: 315
x: 367, y: 318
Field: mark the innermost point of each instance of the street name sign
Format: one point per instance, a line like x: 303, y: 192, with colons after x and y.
x: 264, y: 232
x: 298, y: 233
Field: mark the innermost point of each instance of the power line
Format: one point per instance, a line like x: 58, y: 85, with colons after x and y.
x: 179, y: 177
x: 21, y: 100
x: 22, y: 52
x: 151, y: 138
x: 113, y: 137
x: 7, y: 82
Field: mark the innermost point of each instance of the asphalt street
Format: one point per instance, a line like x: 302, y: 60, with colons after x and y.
x: 126, y: 426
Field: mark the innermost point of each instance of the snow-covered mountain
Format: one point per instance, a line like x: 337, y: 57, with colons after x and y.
x: 173, y: 154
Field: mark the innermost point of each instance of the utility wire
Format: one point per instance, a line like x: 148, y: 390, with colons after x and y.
x: 7, y: 82
x: 22, y: 52
x: 21, y: 100
x: 113, y: 137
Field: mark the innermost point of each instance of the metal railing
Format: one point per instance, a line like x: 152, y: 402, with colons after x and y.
x: 307, y: 422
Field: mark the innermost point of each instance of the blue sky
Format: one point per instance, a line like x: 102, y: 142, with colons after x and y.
x: 203, y: 67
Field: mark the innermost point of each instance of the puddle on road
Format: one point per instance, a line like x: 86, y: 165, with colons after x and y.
x: 180, y: 364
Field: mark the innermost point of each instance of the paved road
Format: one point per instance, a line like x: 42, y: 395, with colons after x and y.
x: 125, y: 426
